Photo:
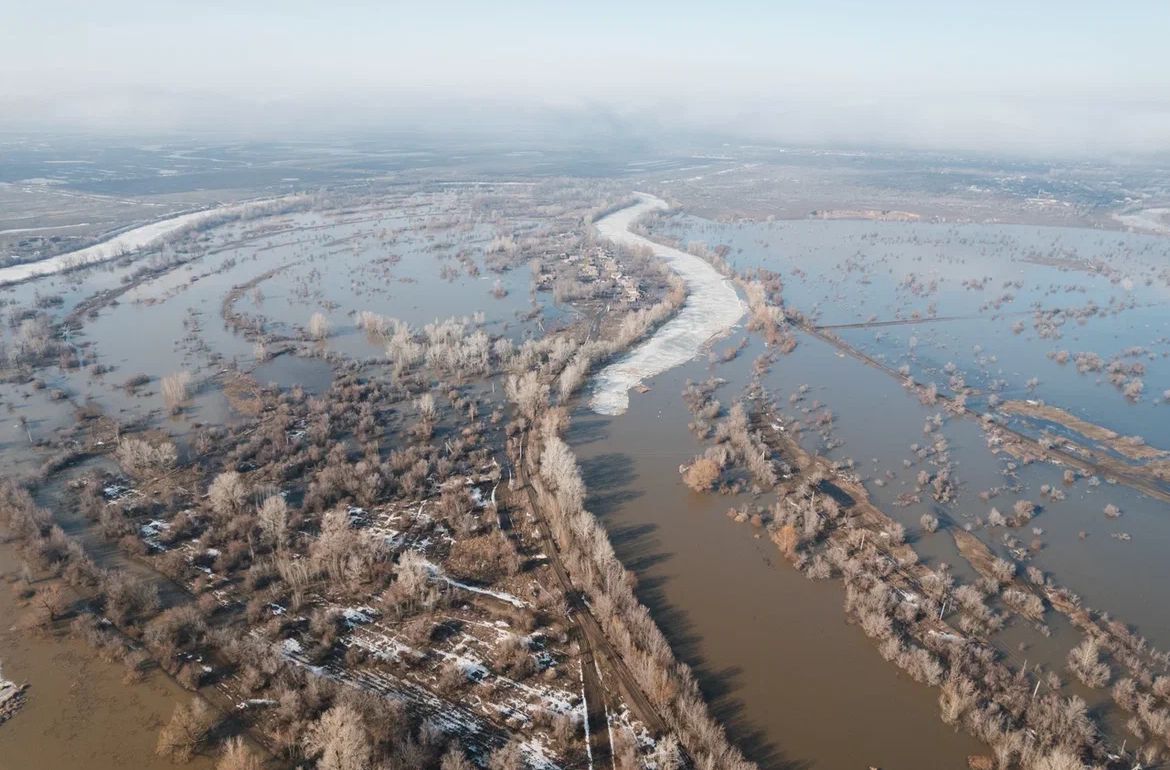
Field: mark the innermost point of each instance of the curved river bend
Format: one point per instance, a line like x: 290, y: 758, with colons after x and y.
x: 712, y: 307
x: 123, y: 243
x: 795, y: 685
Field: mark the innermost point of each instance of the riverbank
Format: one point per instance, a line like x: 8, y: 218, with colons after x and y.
x: 125, y: 242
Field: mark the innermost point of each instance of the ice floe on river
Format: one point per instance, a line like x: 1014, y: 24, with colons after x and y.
x: 712, y: 307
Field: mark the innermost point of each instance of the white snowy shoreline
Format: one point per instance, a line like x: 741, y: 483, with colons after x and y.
x: 1147, y: 220
x: 122, y: 243
x: 712, y: 307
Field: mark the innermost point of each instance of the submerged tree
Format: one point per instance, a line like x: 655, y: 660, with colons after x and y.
x: 187, y: 732
x: 175, y: 390
x: 318, y: 326
x: 702, y: 474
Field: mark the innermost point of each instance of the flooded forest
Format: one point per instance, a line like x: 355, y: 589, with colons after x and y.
x: 663, y: 466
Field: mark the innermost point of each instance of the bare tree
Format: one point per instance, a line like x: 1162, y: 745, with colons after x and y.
x: 228, y: 493
x: 666, y: 754
x: 1084, y: 661
x: 426, y: 407
x: 339, y: 740
x: 559, y: 467
x: 142, y: 459
x: 572, y: 376
x: 528, y: 393
x: 510, y: 756
x: 455, y: 759
x: 1060, y: 758
x: 190, y: 726
x: 175, y: 389
x: 273, y: 515
x: 50, y: 603
x: 236, y: 756
x: 702, y: 474
x: 129, y: 598
x: 318, y: 326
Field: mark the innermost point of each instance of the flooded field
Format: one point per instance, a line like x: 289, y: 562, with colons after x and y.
x: 78, y: 712
x: 784, y: 671
x: 235, y: 299
x: 271, y: 275
x: 979, y: 312
x: 958, y: 398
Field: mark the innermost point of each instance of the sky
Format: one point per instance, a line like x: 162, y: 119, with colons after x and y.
x: 1023, y: 77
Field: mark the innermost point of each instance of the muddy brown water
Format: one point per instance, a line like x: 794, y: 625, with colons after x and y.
x: 79, y: 713
x: 795, y: 684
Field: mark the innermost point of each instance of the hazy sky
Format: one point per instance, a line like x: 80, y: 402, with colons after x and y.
x: 1028, y: 76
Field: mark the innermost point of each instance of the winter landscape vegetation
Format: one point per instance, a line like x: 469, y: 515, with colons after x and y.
x: 356, y: 429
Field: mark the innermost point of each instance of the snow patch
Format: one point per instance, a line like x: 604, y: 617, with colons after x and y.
x: 1147, y: 220
x: 501, y: 595
x: 123, y: 243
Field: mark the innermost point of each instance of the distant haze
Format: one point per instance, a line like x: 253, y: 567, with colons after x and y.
x: 1046, y: 78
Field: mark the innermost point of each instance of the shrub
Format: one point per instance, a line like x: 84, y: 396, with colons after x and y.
x: 702, y: 474
x: 142, y: 459
x: 318, y: 326
x: 190, y: 726
x: 175, y: 389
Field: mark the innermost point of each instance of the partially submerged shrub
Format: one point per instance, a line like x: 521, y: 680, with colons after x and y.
x: 175, y: 389
x: 318, y: 326
x: 141, y: 459
x: 702, y: 474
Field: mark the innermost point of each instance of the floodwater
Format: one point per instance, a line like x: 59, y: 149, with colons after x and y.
x: 401, y: 259
x: 79, y: 713
x: 385, y: 258
x: 795, y: 684
x: 853, y: 271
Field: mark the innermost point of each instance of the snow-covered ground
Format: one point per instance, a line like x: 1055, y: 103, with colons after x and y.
x: 122, y: 243
x: 11, y: 697
x: 712, y: 307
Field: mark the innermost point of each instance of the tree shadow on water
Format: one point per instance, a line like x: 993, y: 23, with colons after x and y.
x: 609, y: 479
x: 587, y: 428
x: 719, y: 686
x: 635, y: 547
x: 641, y: 550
